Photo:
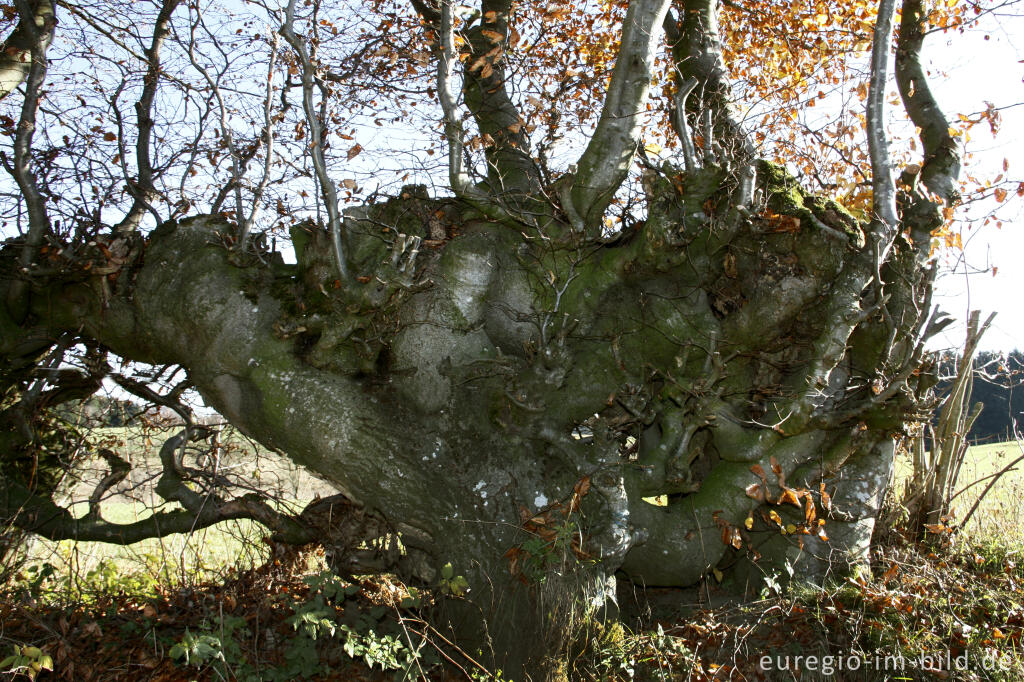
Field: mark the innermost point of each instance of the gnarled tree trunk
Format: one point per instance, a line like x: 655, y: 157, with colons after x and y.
x: 507, y: 387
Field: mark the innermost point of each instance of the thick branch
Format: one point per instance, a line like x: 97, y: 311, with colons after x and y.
x: 316, y: 134
x: 609, y: 156
x: 941, y: 168
x: 510, y: 168
x: 39, y: 514
x: 681, y: 126
x: 37, y: 21
x: 698, y: 60
x: 39, y: 221
x: 188, y: 307
x: 882, y: 184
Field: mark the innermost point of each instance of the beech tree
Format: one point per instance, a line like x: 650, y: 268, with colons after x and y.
x: 650, y: 323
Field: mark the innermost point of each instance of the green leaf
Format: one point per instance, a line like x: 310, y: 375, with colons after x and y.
x: 459, y: 585
x: 447, y: 571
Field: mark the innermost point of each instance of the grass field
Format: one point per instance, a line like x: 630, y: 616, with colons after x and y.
x: 183, y: 560
x: 1000, y: 514
x: 178, y: 560
x: 961, y: 594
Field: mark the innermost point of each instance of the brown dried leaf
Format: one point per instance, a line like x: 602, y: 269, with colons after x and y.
x: 826, y: 499
x: 789, y: 495
x: 736, y: 540
x: 810, y: 511
x: 729, y: 266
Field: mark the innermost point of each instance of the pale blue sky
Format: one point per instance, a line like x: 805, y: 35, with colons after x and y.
x: 979, y: 70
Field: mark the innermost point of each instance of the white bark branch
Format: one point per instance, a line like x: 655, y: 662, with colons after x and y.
x: 682, y: 127
x: 697, y: 52
x: 268, y: 133
x: 237, y: 163
x: 457, y: 176
x: 940, y: 170
x: 609, y: 156
x: 882, y: 183
x: 330, y: 194
x: 16, y: 52
x: 39, y: 35
x: 141, y: 188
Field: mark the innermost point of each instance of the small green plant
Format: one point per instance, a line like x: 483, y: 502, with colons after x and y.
x: 35, y: 575
x: 197, y: 650
x: 414, y: 600
x: 451, y: 584
x: 314, y: 621
x: 388, y: 651
x: 664, y: 656
x: 331, y: 587
x: 317, y: 619
x: 28, y: 661
x: 613, y: 652
x: 555, y: 542
x: 47, y: 581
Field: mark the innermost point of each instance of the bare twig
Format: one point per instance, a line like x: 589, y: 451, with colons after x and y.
x: 316, y: 131
x: 142, y: 188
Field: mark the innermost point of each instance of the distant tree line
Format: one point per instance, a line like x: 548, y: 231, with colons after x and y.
x: 999, y: 386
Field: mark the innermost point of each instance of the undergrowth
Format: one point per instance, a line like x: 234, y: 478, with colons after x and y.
x: 945, y: 608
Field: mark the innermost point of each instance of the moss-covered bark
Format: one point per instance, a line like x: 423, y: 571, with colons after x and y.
x: 481, y: 386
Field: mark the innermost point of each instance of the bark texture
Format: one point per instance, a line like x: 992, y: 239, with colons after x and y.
x: 476, y: 387
x: 496, y: 380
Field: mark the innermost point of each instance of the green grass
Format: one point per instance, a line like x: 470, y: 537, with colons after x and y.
x: 961, y: 594
x: 1000, y: 514
x: 84, y: 569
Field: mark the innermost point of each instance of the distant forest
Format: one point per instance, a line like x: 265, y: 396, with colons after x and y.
x: 999, y: 385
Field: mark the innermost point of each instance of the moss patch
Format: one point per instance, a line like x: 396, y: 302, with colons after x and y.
x: 784, y: 195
